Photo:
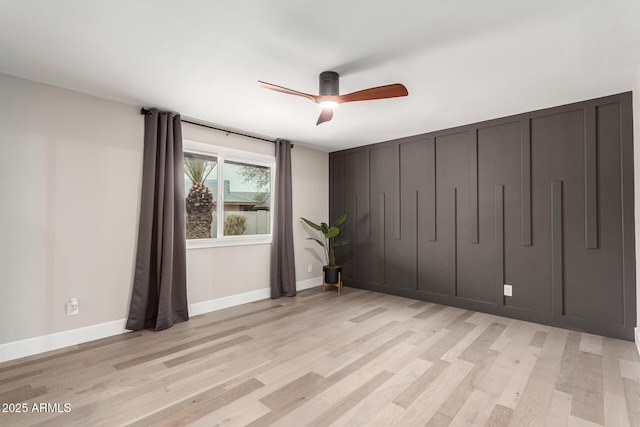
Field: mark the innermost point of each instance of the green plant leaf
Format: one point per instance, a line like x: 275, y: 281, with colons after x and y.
x: 341, y: 219
x: 319, y: 242
x: 332, y: 232
x: 312, y: 224
x: 324, y: 228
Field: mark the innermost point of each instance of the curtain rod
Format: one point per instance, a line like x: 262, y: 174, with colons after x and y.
x: 191, y: 121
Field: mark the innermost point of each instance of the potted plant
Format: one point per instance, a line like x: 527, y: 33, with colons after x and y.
x: 329, y: 242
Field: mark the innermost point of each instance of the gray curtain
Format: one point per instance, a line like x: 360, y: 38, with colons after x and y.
x: 159, y: 297
x: 283, y: 274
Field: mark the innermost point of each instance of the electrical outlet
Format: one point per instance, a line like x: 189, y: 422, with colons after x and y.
x: 309, y: 268
x: 508, y: 290
x: 72, y: 307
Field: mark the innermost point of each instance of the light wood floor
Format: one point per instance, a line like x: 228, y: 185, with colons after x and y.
x: 321, y: 359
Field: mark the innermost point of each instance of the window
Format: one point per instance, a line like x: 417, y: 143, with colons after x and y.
x: 227, y: 196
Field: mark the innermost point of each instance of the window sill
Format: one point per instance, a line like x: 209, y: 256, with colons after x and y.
x: 228, y: 241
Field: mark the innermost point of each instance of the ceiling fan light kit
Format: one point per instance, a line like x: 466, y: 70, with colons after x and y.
x: 329, y: 104
x: 329, y: 93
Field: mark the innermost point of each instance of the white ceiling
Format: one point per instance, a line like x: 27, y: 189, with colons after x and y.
x: 462, y: 61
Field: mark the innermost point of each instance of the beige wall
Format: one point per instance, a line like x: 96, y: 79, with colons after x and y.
x: 70, y: 173
x: 310, y: 171
x: 69, y: 200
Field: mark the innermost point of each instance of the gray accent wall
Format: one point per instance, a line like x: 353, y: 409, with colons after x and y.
x: 542, y: 201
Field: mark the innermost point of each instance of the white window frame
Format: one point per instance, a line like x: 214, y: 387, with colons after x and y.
x: 229, y: 154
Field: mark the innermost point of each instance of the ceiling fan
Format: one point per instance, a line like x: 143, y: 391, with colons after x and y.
x: 330, y: 97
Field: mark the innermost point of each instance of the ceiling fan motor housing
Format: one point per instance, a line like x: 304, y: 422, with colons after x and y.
x: 329, y: 83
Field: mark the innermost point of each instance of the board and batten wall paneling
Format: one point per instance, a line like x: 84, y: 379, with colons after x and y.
x: 339, y: 201
x: 557, y: 264
x: 525, y: 180
x: 473, y: 185
x: 355, y: 202
x: 416, y: 181
x: 498, y: 223
x: 542, y: 201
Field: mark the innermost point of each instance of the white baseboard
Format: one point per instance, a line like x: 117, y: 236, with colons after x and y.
x: 42, y: 344
x: 637, y: 339
x: 247, y: 297
x: 31, y: 346
x: 308, y: 284
x: 226, y: 302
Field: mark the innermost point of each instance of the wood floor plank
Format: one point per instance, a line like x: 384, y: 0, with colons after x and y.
x: 436, y: 324
x: 588, y: 396
x: 451, y: 339
x: 328, y: 366
x: 21, y: 394
x: 459, y: 347
x: 71, y: 362
x: 632, y: 397
x: 515, y: 332
x: 241, y: 412
x: 538, y: 339
x: 333, y: 393
x: 195, y: 407
x: 480, y: 354
x: 429, y: 311
x: 500, y: 417
x: 559, y: 409
x: 253, y: 312
x: 579, y: 422
x: 510, y: 396
x: 364, y: 338
x: 406, y: 354
x: 499, y: 374
x: 426, y: 404
x: 439, y: 420
x: 344, y: 405
x: 590, y: 343
x: 304, y: 387
x: 615, y: 405
x: 615, y: 410
x: 569, y: 362
x: 467, y: 387
x: 368, y: 315
x: 170, y: 351
x: 368, y: 357
x: 411, y: 393
x: 368, y: 408
x: 27, y: 363
x: 360, y: 358
x: 475, y: 411
x: 630, y: 370
x: 205, y: 351
x: 388, y: 416
x: 21, y: 376
x: 292, y: 396
x: 418, y: 305
x: 536, y: 397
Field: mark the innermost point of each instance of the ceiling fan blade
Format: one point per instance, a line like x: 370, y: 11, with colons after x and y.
x: 379, y: 92
x: 325, y: 115
x: 286, y: 90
